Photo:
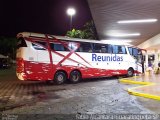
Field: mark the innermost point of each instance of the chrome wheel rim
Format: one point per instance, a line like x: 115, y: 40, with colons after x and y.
x: 60, y: 78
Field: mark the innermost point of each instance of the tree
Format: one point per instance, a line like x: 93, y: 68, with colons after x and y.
x: 90, y: 29
x: 77, y: 34
x: 8, y: 46
x: 88, y: 32
x: 74, y: 33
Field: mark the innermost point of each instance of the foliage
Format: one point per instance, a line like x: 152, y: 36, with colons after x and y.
x: 8, y: 46
x: 88, y: 32
x: 77, y: 34
x: 90, y: 29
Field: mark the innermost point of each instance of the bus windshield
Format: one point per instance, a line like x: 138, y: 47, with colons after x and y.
x: 136, y: 53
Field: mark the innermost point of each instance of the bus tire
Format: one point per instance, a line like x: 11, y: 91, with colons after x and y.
x: 130, y: 72
x: 75, y: 76
x: 60, y: 77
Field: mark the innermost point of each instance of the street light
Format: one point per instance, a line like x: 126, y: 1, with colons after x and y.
x: 71, y: 12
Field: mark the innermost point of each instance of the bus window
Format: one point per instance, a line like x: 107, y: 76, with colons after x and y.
x: 21, y: 43
x: 57, y: 47
x: 119, y: 49
x: 85, y: 47
x: 109, y: 48
x: 124, y: 50
x: 39, y: 45
x: 134, y: 51
x: 100, y: 48
x: 97, y: 48
x: 130, y: 51
x: 42, y: 43
x: 73, y: 46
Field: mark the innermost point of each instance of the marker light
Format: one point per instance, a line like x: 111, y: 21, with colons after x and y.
x: 137, y: 21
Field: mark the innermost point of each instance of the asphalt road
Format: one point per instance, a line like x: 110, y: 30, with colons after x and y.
x: 38, y: 100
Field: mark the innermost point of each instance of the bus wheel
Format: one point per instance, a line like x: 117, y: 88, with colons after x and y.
x: 75, y: 76
x: 60, y: 77
x: 130, y: 72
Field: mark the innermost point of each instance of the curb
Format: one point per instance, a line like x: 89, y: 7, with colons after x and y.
x: 143, y: 84
x: 134, y: 82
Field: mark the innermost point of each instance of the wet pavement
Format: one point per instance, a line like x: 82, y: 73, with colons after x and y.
x: 154, y: 78
x: 153, y: 81
x: 42, y: 101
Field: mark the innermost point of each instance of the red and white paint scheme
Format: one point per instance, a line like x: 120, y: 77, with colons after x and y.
x: 56, y: 58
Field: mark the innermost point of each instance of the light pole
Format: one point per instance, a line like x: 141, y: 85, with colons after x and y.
x: 71, y: 12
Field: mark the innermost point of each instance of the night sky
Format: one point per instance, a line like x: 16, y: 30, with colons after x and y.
x: 42, y: 16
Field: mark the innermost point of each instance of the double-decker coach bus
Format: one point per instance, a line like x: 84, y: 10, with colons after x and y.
x: 56, y: 58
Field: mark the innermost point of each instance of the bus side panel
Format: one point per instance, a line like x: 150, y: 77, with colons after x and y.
x: 37, y: 64
x: 30, y: 60
x: 102, y: 68
x: 38, y: 71
x: 83, y: 62
x: 45, y: 65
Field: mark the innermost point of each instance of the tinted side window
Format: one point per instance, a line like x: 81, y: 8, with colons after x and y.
x: 21, y: 43
x: 100, y: 48
x: 85, y: 47
x: 124, y: 50
x: 134, y: 51
x: 42, y: 43
x: 109, y: 48
x: 57, y: 47
x: 130, y: 51
x: 119, y: 49
x: 72, y: 45
x: 115, y: 49
x: 38, y: 45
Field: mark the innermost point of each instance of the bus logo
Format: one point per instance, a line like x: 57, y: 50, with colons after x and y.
x: 105, y: 58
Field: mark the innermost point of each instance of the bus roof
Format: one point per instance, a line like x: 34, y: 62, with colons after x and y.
x: 31, y: 34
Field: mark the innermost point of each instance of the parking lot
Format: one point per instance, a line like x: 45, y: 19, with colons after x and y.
x: 94, y: 96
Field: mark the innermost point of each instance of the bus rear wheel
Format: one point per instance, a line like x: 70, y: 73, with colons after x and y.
x: 130, y: 72
x: 75, y: 76
x: 60, y: 77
